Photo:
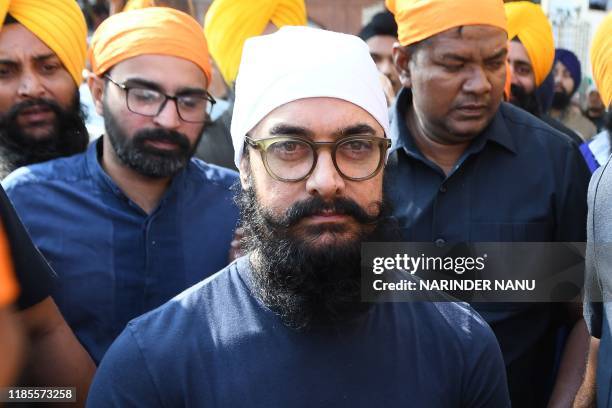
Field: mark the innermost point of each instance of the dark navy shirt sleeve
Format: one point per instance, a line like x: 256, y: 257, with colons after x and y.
x: 123, y: 380
x: 34, y: 274
x: 485, y: 380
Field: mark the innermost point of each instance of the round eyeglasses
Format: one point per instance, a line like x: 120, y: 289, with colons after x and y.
x: 192, y: 107
x: 291, y: 159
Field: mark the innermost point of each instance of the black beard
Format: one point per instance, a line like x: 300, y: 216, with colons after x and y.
x: 69, y: 135
x: 144, y: 159
x: 304, y: 285
x: 561, y: 100
x: 525, y: 101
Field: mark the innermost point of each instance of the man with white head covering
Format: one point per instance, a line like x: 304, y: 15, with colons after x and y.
x: 310, y: 146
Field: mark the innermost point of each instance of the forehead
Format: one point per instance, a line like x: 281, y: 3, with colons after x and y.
x: 167, y: 71
x: 517, y: 52
x: 17, y: 42
x: 381, y: 44
x: 322, y: 116
x: 561, y: 66
x: 473, y: 41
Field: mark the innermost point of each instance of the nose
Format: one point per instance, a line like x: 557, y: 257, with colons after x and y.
x: 386, y: 66
x: 325, y: 180
x: 513, y: 78
x: 168, y: 117
x: 30, y: 86
x: 477, y: 82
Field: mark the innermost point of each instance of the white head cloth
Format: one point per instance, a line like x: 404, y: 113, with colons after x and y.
x: 302, y: 62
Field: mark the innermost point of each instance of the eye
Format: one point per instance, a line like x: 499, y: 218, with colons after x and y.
x: 191, y: 102
x: 497, y: 64
x: 452, y: 67
x: 356, y: 149
x: 6, y: 71
x: 142, y: 95
x: 289, y: 150
x: 49, y: 68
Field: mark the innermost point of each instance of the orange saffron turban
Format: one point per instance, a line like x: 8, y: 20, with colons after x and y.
x: 155, y: 30
x: 421, y: 19
x: 601, y: 59
x: 229, y: 23
x: 528, y: 22
x: 8, y: 287
x: 59, y: 24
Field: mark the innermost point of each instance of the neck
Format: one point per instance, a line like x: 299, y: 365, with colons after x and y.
x: 445, y: 155
x: 146, y: 192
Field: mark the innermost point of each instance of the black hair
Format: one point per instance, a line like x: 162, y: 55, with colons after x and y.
x: 382, y: 23
x: 10, y: 20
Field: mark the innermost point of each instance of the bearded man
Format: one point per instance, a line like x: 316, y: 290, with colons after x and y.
x: 567, y: 77
x: 42, y: 56
x: 134, y: 220
x: 531, y: 53
x: 285, y: 325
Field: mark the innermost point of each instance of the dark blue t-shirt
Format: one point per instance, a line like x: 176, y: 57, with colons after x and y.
x: 216, y: 345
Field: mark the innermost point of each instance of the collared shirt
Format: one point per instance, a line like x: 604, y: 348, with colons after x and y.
x: 518, y: 181
x: 217, y: 341
x: 115, y: 261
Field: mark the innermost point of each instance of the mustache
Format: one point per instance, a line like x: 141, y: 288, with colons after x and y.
x: 317, y: 205
x: 161, y: 135
x: 18, y: 108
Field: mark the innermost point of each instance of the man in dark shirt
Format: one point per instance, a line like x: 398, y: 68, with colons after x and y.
x: 467, y: 168
x: 284, y: 326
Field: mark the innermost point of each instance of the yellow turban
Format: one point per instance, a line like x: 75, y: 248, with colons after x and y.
x: 154, y: 30
x: 528, y: 22
x: 229, y: 23
x: 59, y: 24
x: 601, y: 59
x: 421, y: 19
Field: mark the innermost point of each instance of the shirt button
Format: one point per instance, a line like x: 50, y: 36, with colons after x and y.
x: 440, y: 242
x: 443, y: 188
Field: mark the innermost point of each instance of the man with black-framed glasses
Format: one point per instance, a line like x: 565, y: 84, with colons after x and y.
x: 285, y: 325
x: 134, y: 220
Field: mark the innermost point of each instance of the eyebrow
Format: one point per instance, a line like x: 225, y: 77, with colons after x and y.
x: 40, y: 58
x: 155, y: 86
x: 37, y: 58
x: 456, y: 57
x: 499, y: 54
x: 292, y: 130
x: 289, y: 130
x: 358, y: 129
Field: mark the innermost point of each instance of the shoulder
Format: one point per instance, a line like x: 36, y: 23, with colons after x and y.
x: 531, y: 131
x: 66, y: 169
x: 200, y: 171
x: 460, y: 320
